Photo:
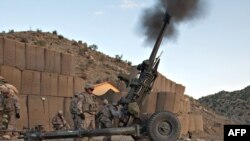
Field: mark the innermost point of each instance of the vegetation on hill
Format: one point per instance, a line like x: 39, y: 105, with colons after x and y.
x: 234, y: 105
x: 213, y: 123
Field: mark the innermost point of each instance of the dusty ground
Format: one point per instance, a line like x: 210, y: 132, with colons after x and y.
x: 124, y: 138
x: 128, y: 138
x: 114, y: 138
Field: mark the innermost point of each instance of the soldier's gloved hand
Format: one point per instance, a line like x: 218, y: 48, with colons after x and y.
x: 82, y: 116
x: 17, y: 115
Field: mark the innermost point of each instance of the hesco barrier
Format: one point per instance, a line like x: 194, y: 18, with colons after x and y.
x: 1, y: 51
x: 12, y: 75
x: 30, y: 57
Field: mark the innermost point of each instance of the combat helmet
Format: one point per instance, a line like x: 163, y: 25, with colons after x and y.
x: 89, y: 86
x: 105, y: 101
x: 60, y: 112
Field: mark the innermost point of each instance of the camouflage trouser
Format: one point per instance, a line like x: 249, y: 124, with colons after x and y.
x: 78, y: 124
x: 89, y: 121
x: 106, y: 123
x: 78, y: 121
x: 11, y: 123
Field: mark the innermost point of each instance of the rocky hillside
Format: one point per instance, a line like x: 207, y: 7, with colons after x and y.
x: 234, y: 105
x: 91, y: 65
x: 213, y: 123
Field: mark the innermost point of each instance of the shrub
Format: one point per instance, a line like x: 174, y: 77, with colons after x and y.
x: 93, y: 47
x: 129, y: 63
x: 39, y: 31
x: 24, y: 40
x: 54, y: 32
x: 60, y: 37
x: 41, y: 43
x: 118, y: 58
x: 85, y: 45
x: 84, y: 76
x: 74, y: 43
x: 11, y: 31
x: 82, y: 51
x: 79, y: 42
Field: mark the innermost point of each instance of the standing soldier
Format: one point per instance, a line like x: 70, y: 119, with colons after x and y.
x: 89, y: 106
x: 59, y: 122
x: 76, y: 111
x: 11, y: 108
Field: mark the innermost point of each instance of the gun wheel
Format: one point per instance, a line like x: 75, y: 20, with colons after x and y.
x: 163, y: 126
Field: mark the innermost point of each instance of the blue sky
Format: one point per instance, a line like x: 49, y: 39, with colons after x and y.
x: 210, y: 54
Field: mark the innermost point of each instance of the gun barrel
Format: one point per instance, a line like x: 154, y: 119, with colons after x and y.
x: 133, y: 130
x: 159, y: 39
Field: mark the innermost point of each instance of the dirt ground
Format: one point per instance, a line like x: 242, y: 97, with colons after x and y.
x: 128, y: 138
x: 114, y: 138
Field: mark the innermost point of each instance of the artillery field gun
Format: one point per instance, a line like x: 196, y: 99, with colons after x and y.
x: 161, y: 126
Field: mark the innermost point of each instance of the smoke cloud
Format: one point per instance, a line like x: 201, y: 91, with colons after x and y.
x: 179, y: 10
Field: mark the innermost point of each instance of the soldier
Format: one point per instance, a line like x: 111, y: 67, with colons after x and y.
x: 1, y: 104
x: 11, y: 108
x: 189, y: 135
x: 76, y: 111
x: 89, y: 106
x: 59, y: 122
x: 4, y: 83
x: 106, y: 116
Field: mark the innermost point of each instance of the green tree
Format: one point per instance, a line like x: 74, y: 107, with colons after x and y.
x: 118, y: 57
x: 93, y: 47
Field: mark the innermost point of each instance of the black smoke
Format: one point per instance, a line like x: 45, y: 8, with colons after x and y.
x: 179, y: 10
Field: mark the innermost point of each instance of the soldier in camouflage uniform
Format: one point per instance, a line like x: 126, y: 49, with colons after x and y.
x: 89, y: 106
x: 2, y: 86
x: 11, y: 108
x: 76, y: 111
x: 106, y: 116
x: 13, y: 90
x: 1, y: 104
x: 59, y: 122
